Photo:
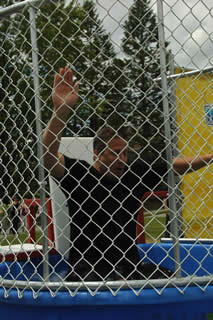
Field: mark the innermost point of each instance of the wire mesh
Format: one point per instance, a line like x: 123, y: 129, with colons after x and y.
x: 81, y: 221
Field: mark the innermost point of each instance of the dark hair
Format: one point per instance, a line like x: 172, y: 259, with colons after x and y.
x: 106, y: 134
x: 17, y: 196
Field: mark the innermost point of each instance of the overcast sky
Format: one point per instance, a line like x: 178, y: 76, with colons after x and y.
x: 188, y: 27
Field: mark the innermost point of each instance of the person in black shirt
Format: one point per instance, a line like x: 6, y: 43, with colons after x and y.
x: 14, y: 213
x: 104, y: 198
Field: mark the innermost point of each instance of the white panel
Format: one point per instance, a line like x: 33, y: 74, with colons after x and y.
x: 78, y: 148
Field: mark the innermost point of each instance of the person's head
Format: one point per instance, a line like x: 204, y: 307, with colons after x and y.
x: 16, y: 198
x: 110, y: 151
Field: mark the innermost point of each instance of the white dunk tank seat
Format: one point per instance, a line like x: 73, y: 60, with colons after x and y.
x: 77, y: 148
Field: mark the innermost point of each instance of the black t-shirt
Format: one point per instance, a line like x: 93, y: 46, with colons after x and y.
x: 14, y: 210
x: 103, y: 211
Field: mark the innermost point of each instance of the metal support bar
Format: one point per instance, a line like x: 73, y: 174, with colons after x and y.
x: 14, y: 8
x: 171, y: 179
x: 32, y: 13
x: 187, y: 74
x: 174, y: 134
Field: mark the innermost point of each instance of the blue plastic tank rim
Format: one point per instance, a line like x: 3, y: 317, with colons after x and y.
x: 106, y: 298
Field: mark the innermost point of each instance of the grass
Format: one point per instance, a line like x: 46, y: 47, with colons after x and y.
x: 154, y: 226
x: 11, y: 239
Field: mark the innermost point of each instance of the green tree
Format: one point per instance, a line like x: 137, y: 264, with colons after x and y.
x: 73, y: 35
x: 99, y: 72
x: 19, y: 161
x: 67, y: 35
x: 141, y: 48
x: 16, y: 118
x: 115, y: 111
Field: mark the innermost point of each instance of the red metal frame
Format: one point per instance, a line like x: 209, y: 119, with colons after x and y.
x: 31, y: 223
x: 31, y: 226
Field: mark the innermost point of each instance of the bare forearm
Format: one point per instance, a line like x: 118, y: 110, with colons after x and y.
x: 189, y: 164
x: 51, y: 140
x: 52, y: 135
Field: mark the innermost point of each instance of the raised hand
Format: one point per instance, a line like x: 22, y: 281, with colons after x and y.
x: 65, y: 94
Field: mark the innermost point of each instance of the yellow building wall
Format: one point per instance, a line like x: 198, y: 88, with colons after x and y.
x: 195, y: 137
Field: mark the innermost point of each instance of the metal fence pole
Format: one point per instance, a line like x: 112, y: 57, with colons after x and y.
x: 171, y: 178
x: 14, y: 8
x: 32, y: 13
x: 174, y: 132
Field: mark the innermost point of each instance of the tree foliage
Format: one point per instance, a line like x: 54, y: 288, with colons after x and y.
x: 17, y: 119
x: 141, y: 47
x: 113, y: 90
x: 66, y: 35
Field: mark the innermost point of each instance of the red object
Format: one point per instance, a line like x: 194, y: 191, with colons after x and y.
x: 32, y: 204
x: 140, y: 219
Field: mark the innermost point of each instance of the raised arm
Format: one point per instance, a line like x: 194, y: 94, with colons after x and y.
x: 65, y: 96
x: 190, y: 164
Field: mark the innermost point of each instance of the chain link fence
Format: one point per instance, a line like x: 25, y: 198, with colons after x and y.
x: 126, y: 57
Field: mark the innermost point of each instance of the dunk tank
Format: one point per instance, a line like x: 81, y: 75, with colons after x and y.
x: 34, y: 258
